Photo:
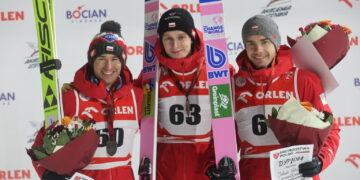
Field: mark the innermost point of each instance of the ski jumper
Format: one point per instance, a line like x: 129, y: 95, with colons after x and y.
x: 256, y: 92
x: 91, y: 100
x: 185, y: 145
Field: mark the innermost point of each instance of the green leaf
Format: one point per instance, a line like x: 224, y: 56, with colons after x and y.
x: 274, y: 112
x: 267, y: 122
x: 39, y: 154
x: 330, y: 119
x: 48, y: 145
x: 63, y: 138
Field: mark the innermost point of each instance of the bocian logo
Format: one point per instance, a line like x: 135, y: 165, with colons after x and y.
x: 85, y: 15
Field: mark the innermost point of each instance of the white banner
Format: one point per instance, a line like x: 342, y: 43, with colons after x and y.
x: 78, y: 21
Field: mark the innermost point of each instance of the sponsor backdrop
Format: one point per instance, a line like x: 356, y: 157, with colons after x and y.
x: 77, y: 21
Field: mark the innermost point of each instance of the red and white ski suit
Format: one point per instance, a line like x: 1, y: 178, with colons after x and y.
x: 185, y: 145
x: 256, y: 92
x: 90, y: 100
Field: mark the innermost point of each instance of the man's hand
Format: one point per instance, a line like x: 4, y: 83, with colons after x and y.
x: 312, y: 168
x: 66, y: 87
x: 226, y: 170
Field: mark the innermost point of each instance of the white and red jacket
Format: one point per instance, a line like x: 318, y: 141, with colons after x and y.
x: 90, y: 100
x: 185, y: 145
x: 256, y: 92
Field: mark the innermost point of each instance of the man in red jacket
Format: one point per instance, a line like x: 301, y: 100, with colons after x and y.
x: 266, y: 76
x: 103, y: 90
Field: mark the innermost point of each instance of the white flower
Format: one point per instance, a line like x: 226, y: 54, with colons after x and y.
x: 292, y: 111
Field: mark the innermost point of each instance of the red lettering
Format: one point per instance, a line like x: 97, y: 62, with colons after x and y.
x: 130, y: 50
x: 354, y: 41
x: 2, y: 175
x: 356, y: 121
x: 185, y: 6
x: 26, y: 174
x: 347, y: 123
x: 20, y: 15
x: 176, y: 6
x: 192, y: 8
x: 12, y: 15
x: 139, y: 50
x: 9, y: 175
x: 3, y: 18
x: 17, y: 174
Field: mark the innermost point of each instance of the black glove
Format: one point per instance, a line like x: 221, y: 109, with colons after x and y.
x: 312, y: 168
x: 49, y: 175
x: 226, y: 170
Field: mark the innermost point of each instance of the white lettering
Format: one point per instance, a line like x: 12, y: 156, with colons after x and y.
x: 274, y: 95
x: 124, y: 110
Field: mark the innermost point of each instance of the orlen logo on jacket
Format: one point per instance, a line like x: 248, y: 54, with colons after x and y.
x: 12, y: 15
x: 277, y: 8
x: 83, y: 15
x: 192, y: 8
x: 6, y: 98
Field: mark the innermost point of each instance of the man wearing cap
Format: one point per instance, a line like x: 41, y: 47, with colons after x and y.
x: 185, y: 146
x: 265, y: 70
x: 103, y: 91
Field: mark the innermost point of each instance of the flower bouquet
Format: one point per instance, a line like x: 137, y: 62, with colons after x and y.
x: 67, y: 146
x: 330, y: 40
x: 296, y: 123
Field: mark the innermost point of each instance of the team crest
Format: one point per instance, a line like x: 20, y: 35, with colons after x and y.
x: 240, y: 81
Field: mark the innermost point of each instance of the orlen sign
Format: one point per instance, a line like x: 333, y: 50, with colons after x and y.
x: 12, y: 16
x: 15, y: 174
x: 134, y: 50
x: 193, y: 8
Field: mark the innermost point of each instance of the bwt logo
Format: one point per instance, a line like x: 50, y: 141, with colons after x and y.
x: 6, y: 98
x: 149, y: 53
x: 216, y: 58
x: 86, y: 15
x: 352, y: 159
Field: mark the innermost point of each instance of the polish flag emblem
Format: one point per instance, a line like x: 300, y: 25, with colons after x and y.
x: 109, y: 48
x: 172, y: 24
x: 255, y: 28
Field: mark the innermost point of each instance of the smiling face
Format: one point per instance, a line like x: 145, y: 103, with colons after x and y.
x: 177, y: 44
x: 260, y: 50
x: 107, y: 67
